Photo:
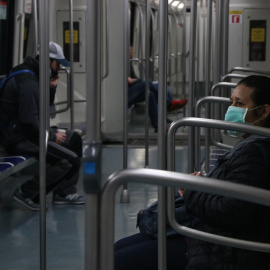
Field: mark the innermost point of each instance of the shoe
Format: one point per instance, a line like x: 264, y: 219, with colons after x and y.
x: 68, y: 199
x: 22, y: 199
x: 177, y: 104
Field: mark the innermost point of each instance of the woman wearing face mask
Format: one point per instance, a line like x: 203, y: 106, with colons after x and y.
x: 247, y: 163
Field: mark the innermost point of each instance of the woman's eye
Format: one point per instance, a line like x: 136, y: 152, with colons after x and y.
x: 239, y: 104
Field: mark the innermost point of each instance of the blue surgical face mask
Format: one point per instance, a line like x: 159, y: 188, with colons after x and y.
x: 238, y: 115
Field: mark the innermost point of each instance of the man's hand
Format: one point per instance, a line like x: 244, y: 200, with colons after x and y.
x: 130, y: 80
x: 60, y: 137
x: 54, y: 81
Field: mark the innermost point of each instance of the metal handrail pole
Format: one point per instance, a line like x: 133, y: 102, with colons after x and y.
x: 92, y: 144
x: 176, y: 55
x: 105, y: 8
x: 141, y: 32
x: 147, y: 79
x: 230, y: 76
x: 173, y: 179
x: 65, y: 102
x: 219, y: 56
x: 183, y: 62
x: 44, y: 120
x: 199, y: 104
x: 162, y: 77
x: 209, y: 48
x: 208, y: 75
x: 192, y: 47
x: 225, y: 45
x: 20, y: 18
x: 169, y: 54
x: 218, y: 42
x: 36, y: 38
x: 226, y: 4
x: 124, y: 197
x: 207, y: 123
x: 71, y: 65
x: 222, y: 84
x: 197, y: 51
x: 153, y: 48
x: 243, y: 69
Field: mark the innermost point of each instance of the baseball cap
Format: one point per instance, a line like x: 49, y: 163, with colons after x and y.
x: 56, y: 52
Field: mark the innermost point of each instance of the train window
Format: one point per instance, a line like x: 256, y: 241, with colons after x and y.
x: 6, y: 35
x: 257, y: 46
x: 3, y: 10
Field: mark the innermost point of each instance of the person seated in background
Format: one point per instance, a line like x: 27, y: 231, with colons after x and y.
x: 136, y: 94
x: 248, y: 163
x: 20, y: 107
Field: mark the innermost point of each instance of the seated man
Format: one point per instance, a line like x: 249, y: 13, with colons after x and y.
x: 136, y: 94
x: 19, y: 105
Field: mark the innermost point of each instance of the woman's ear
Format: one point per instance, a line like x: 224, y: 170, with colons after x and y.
x: 266, y: 111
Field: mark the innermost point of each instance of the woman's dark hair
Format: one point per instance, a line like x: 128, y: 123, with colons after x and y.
x: 260, y: 94
x: 261, y: 88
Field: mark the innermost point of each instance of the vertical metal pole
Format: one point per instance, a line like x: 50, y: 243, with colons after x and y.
x: 208, y: 48
x: 226, y: 44
x: 93, y: 125
x: 207, y: 78
x: 71, y: 65
x: 192, y: 46
x: 220, y: 56
x: 35, y: 27
x: 162, y: 72
x: 176, y: 53
x: 226, y: 35
x: 147, y: 81
x: 44, y: 120
x: 126, y: 43
x: 184, y: 38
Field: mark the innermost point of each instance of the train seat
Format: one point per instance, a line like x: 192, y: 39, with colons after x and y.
x: 12, y: 164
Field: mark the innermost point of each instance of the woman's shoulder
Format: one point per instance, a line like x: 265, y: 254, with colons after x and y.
x: 254, y: 148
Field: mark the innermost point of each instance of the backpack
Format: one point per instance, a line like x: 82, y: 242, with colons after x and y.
x: 147, y: 219
x: 2, y: 84
x: 10, y: 75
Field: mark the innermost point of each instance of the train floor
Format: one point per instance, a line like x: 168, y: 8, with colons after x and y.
x: 65, y: 227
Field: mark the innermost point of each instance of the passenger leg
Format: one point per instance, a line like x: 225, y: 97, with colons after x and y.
x: 172, y: 104
x: 62, y: 173
x: 136, y: 94
x: 139, y: 252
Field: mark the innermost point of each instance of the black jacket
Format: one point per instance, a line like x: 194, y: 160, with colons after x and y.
x: 19, y: 110
x: 246, y: 164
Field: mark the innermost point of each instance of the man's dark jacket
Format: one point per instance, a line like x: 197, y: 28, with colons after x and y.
x: 19, y: 110
x: 249, y: 164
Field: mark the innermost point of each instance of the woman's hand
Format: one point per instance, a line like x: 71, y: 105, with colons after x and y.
x: 181, y: 191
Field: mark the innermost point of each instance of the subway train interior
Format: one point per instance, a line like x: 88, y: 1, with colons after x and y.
x: 198, y: 49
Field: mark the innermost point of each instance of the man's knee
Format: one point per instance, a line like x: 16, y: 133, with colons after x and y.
x: 75, y: 144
